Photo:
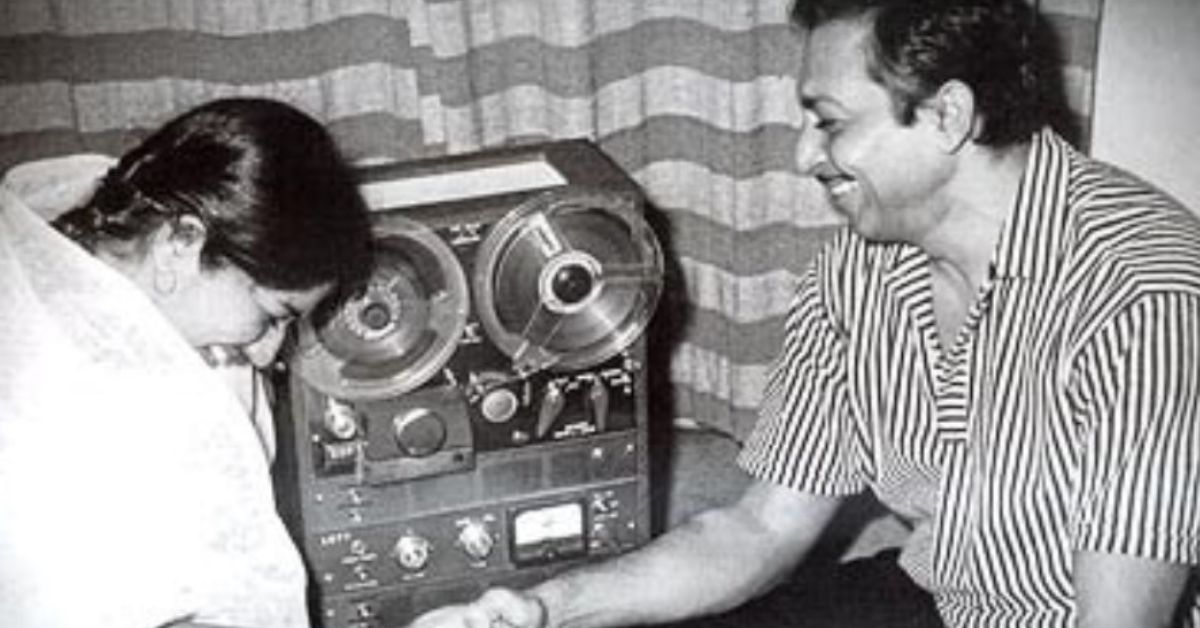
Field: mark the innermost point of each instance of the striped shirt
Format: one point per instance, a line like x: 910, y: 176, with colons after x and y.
x: 1063, y: 418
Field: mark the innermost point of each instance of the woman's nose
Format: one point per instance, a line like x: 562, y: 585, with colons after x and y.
x: 262, y: 351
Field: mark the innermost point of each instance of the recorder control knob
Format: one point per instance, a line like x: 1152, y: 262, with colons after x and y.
x: 412, y: 551
x: 499, y: 405
x: 419, y: 432
x: 476, y: 540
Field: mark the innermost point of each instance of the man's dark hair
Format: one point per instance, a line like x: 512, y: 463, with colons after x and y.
x: 1001, y: 49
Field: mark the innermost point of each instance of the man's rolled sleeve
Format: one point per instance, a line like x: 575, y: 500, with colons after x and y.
x: 803, y: 438
x: 1140, y: 465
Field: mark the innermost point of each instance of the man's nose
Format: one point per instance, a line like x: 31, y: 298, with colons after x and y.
x: 810, y: 150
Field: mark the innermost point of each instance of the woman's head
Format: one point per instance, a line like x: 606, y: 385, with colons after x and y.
x: 255, y: 190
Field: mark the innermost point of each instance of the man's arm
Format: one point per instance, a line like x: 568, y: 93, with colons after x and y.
x: 1140, y: 373
x: 1124, y: 591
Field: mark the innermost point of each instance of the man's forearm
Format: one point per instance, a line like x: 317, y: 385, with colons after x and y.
x: 1127, y: 592
x: 663, y: 582
x: 714, y: 562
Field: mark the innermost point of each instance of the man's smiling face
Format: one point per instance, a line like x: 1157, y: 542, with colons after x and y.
x: 882, y: 175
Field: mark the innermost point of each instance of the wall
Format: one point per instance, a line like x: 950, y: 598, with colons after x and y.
x: 1147, y: 103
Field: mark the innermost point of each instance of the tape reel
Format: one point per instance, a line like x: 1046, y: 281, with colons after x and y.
x: 568, y: 279
x: 401, y: 329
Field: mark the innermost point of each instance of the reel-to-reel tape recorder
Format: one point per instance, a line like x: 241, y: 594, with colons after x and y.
x: 476, y: 416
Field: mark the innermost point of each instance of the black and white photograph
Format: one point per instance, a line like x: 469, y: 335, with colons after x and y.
x: 599, y: 313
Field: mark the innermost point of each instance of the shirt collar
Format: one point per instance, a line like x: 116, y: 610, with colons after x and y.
x: 1032, y: 237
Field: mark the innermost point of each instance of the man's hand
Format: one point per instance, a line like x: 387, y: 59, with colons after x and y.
x: 497, y: 608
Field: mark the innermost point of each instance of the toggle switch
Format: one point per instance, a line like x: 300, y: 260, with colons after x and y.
x: 598, y: 402
x: 553, y: 402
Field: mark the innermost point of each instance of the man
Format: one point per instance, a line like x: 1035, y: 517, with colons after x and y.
x: 1004, y: 346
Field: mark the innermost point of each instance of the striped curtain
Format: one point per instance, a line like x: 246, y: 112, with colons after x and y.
x: 694, y: 98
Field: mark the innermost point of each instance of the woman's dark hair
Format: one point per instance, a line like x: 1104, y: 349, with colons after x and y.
x: 1001, y: 49
x: 267, y: 182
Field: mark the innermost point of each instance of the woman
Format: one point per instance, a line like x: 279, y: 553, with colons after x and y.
x: 134, y: 490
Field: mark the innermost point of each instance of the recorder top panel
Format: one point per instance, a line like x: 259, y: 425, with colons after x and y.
x: 496, y: 173
x: 443, y: 187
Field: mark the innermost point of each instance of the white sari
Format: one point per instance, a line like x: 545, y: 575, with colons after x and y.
x: 134, y: 490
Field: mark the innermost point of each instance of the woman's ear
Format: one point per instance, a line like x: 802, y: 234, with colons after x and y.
x: 175, y: 246
x: 188, y: 231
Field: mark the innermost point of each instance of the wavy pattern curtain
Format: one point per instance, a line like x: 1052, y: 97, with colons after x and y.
x: 693, y: 97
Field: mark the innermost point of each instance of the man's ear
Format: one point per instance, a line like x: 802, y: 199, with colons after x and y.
x: 952, y: 109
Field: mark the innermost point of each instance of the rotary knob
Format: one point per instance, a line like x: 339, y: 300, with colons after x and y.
x: 476, y: 540
x: 412, y: 551
x: 499, y: 405
x: 419, y: 432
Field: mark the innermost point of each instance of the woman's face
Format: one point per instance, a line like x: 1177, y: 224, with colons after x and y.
x: 225, y: 308
x: 219, y: 307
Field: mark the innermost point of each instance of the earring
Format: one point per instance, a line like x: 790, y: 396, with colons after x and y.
x: 165, y: 281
